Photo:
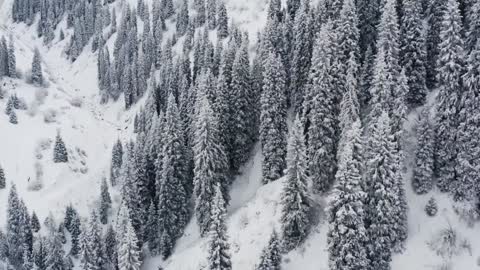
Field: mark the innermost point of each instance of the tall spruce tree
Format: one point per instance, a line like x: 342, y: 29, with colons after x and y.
x: 211, y: 164
x: 128, y: 250
x: 296, y: 204
x: 449, y: 70
x: 271, y: 257
x: 347, y: 235
x: 2, y: 178
x: 105, y: 202
x: 116, y: 164
x: 174, y: 190
x: 380, y: 176
x: 320, y: 119
x: 273, y: 120
x: 37, y: 75
x: 466, y: 188
x: 218, y: 246
x: 60, y: 154
x: 414, y: 52
x: 423, y: 173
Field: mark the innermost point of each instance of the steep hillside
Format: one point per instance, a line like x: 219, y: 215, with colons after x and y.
x: 69, y: 104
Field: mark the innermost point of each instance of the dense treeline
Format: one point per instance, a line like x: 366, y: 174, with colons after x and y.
x: 347, y: 71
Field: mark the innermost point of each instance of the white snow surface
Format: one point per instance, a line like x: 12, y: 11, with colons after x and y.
x: 90, y: 130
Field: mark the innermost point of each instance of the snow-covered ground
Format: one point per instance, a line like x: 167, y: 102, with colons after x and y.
x: 90, y: 130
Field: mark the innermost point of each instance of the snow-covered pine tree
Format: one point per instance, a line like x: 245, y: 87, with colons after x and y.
x: 241, y: 95
x: 60, y: 154
x: 12, y: 62
x: 347, y: 36
x: 3, y: 181
x: 350, y: 105
x: 222, y: 20
x: 183, y: 19
x: 301, y: 55
x: 347, y: 235
x: 128, y: 251
x: 296, y: 203
x: 466, y: 186
x: 320, y: 119
x: 10, y: 105
x: 92, y: 249
x: 431, y: 208
x: 40, y: 253
x: 449, y: 70
x: 381, y: 197
x: 174, y: 189
x: 13, y: 118
x: 271, y: 257
x: 55, y: 253
x: 218, y: 246
x: 414, y: 52
x: 387, y: 69
x: 201, y: 13
x: 473, y: 26
x: 116, y: 164
x: 37, y: 75
x: 105, y: 202
x: 211, y: 164
x: 273, y: 120
x: 435, y: 13
x: 212, y: 14
x: 34, y: 223
x: 15, y: 227
x: 423, y: 173
x: 111, y: 246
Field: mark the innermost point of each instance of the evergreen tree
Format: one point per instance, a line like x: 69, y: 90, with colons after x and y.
x: 16, y: 228
x: 241, y: 101
x: 2, y: 179
x: 116, y: 164
x: 296, y: 203
x: 10, y: 106
x: 55, y: 254
x: 174, y: 189
x: 273, y: 120
x: 319, y: 113
x: 212, y: 14
x: 211, y: 163
x: 183, y: 19
x: 380, y: 216
x: 12, y: 62
x: 93, y: 256
x: 40, y: 254
x: 105, y: 202
x: 271, y: 257
x: 60, y: 154
x: 222, y: 20
x: 414, y: 52
x: 423, y: 172
x: 436, y: 11
x: 350, y: 105
x: 37, y: 76
x: 449, y: 71
x: 218, y: 246
x: 431, y: 208
x: 473, y: 27
x: 13, y: 118
x: 111, y: 246
x: 301, y: 55
x: 347, y: 235
x: 34, y: 223
x: 466, y: 187
x: 128, y: 252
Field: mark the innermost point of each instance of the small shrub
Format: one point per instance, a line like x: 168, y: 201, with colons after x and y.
x: 40, y: 95
x: 50, y: 116
x: 37, y: 183
x: 76, y: 102
x: 431, y: 208
x: 448, y: 243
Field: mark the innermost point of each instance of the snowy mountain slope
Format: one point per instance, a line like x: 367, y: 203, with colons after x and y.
x: 92, y: 128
